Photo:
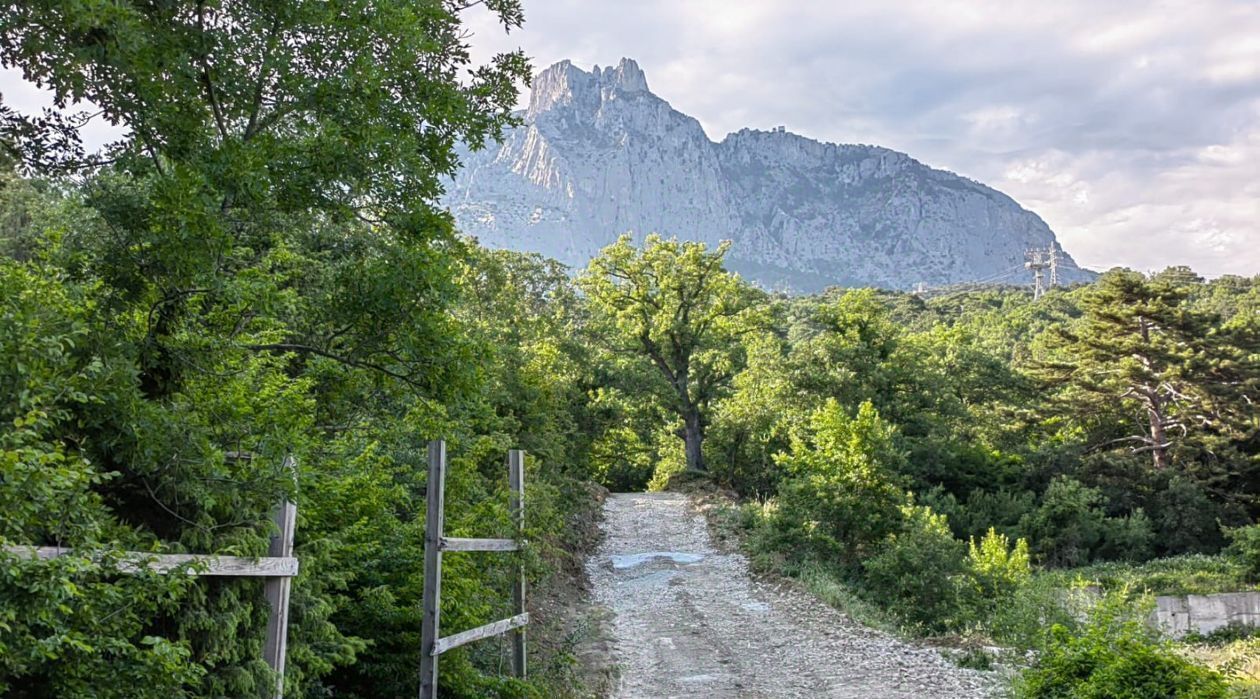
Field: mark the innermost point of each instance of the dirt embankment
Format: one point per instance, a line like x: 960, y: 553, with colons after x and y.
x: 688, y: 620
x: 570, y: 636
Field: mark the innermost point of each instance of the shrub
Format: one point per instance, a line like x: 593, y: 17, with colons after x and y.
x: 916, y: 572
x: 1002, y: 509
x: 1128, y: 538
x: 1068, y: 525
x: 841, y: 499
x: 1244, y: 548
x: 1115, y: 655
x: 1186, y: 518
x: 996, y: 568
x: 1022, y: 620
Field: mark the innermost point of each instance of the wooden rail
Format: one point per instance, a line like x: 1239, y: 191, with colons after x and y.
x: 278, y: 568
x: 435, y: 544
x: 494, y: 628
x: 192, y: 564
x: 449, y: 544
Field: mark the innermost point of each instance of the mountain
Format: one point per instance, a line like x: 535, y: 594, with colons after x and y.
x: 598, y: 155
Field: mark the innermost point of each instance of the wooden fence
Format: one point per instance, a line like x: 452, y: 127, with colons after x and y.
x: 278, y: 568
x: 435, y: 544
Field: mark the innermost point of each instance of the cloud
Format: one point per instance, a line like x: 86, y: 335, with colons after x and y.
x: 1132, y: 127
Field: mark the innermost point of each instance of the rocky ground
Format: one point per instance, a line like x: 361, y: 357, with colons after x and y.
x: 688, y: 620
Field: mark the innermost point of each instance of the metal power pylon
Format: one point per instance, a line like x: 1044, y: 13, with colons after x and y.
x: 1039, y: 260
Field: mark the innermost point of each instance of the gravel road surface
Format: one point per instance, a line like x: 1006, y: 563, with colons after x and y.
x: 689, y: 621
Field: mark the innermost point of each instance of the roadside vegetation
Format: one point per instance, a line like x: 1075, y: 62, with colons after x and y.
x: 956, y: 465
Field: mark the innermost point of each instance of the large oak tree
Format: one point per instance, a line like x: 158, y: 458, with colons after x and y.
x: 673, y: 305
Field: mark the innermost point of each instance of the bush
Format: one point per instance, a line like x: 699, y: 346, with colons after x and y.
x: 1001, y: 508
x: 841, y: 499
x: 997, y: 570
x: 1023, y: 619
x: 1128, y: 538
x: 1186, y: 518
x: 1116, y: 655
x: 1244, y: 548
x: 1068, y: 524
x: 916, y: 572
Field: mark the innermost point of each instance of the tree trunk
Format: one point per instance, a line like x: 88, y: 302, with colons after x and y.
x: 1159, y: 441
x: 1154, y: 406
x: 693, y: 439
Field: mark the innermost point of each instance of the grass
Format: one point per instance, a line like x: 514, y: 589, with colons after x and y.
x: 1178, y: 575
x: 838, y: 594
x: 735, y: 525
x: 1237, y: 659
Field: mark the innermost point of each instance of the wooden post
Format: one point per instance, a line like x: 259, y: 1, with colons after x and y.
x: 276, y: 589
x: 516, y: 482
x: 429, y: 623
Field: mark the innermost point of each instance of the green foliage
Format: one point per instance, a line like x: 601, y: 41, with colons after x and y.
x: 915, y: 573
x: 1115, y: 655
x: 841, y: 498
x: 1022, y: 621
x: 1244, y: 548
x: 1191, y: 574
x: 998, y: 421
x: 672, y: 307
x: 257, y: 268
x: 1189, y: 519
x: 1069, y: 524
x: 1128, y: 538
x: 997, y: 568
x: 1141, y: 348
x: 755, y: 421
x: 1070, y: 527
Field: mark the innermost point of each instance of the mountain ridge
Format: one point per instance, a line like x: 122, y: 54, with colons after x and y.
x: 598, y: 154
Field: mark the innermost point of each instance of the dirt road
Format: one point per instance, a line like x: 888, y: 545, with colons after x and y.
x: 688, y: 621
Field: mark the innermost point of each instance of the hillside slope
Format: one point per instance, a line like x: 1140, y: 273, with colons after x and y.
x: 599, y: 155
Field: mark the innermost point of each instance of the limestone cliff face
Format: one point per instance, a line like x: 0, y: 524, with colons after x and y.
x: 600, y: 155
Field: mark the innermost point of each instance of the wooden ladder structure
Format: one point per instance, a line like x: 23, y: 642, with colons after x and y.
x: 435, y: 544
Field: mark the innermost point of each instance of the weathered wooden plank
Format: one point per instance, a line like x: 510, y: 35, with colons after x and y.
x: 516, y: 484
x: 276, y: 589
x: 209, y: 565
x: 454, y: 544
x: 492, y: 629
x: 432, y: 600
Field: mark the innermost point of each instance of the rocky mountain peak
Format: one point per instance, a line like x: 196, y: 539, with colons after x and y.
x: 564, y: 84
x: 626, y: 77
x: 599, y: 155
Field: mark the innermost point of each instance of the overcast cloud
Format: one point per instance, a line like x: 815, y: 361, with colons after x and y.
x: 1132, y: 128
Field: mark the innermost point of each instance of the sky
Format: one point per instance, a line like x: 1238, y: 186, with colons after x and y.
x: 1132, y: 128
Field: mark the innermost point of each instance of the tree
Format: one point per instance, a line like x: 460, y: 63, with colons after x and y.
x: 674, y: 305
x: 260, y: 265
x: 1139, y: 343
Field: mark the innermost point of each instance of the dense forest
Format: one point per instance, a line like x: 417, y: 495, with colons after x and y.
x: 258, y: 270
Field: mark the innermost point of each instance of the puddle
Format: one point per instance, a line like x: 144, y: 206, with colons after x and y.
x: 631, y: 560
x: 756, y: 606
x: 657, y: 579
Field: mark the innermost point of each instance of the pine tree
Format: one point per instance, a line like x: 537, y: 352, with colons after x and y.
x: 1141, y: 345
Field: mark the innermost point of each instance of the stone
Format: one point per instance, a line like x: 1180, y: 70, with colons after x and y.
x: 598, y: 154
